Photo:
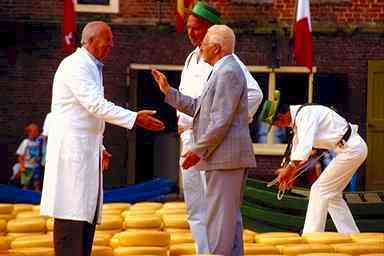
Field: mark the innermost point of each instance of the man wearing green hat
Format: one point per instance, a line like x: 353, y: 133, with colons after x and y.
x: 317, y: 126
x: 193, y: 78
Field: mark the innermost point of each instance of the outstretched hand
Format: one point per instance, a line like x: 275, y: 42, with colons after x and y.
x: 190, y: 159
x: 146, y: 120
x: 161, y: 80
x: 285, y: 178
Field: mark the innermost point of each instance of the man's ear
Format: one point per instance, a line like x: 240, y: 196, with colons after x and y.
x: 217, y: 49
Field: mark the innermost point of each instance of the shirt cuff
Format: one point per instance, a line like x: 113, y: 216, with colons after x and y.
x: 132, y: 120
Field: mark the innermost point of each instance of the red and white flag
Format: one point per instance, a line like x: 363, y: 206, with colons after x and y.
x: 69, y: 26
x: 303, y: 35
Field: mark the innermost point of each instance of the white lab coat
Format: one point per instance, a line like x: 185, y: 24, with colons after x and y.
x: 72, y: 185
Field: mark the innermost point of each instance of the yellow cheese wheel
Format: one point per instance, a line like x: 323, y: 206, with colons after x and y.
x: 24, y: 225
x: 7, y: 217
x: 49, y: 224
x: 373, y: 254
x: 371, y: 240
x: 327, y: 238
x: 357, y: 248
x: 324, y: 254
x: 144, y: 221
x: 174, y: 205
x: 28, y: 214
x: 107, y: 232
x: 36, y: 208
x: 357, y: 237
x: 260, y: 249
x: 3, y: 225
x: 163, y: 211
x: 140, y: 250
x: 4, y: 243
x: 248, y: 236
x: 6, y: 208
x: 280, y: 240
x: 33, y: 251
x: 127, y: 213
x: 17, y: 208
x: 181, y: 249
x: 146, y: 206
x: 177, y: 230
x: 116, y: 206
x: 101, y: 251
x: 102, y: 239
x: 144, y: 238
x: 33, y: 242
x: 276, y: 234
x: 176, y: 221
x: 111, y: 212
x: 110, y: 223
x: 181, y: 238
x: 294, y: 249
x: 114, y: 242
x: 13, y: 236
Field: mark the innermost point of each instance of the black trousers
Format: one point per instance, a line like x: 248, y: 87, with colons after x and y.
x: 73, y: 238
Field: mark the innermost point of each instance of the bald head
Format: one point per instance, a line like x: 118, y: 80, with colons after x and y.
x: 223, y: 36
x: 97, y: 39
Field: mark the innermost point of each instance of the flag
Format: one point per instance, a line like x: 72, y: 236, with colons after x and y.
x: 180, y: 13
x: 303, y: 35
x: 69, y: 26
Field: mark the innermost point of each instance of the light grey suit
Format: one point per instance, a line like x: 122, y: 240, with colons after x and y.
x: 221, y: 138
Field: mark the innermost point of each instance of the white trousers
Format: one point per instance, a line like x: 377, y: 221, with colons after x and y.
x: 327, y: 192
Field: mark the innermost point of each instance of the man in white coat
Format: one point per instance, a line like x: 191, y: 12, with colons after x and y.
x: 317, y: 126
x: 193, y: 77
x: 73, y: 189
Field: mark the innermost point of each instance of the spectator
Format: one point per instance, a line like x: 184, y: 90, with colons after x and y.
x: 29, y: 158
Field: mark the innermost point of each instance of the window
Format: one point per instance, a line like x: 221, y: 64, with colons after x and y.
x: 100, y: 6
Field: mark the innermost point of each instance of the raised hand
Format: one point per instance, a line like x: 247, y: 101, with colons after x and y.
x: 161, y: 80
x: 190, y: 159
x: 146, y: 120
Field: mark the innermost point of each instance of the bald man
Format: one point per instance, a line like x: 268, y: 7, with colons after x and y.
x: 222, y: 145
x: 73, y: 191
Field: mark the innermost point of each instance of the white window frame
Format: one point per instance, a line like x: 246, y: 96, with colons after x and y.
x: 268, y: 148
x: 113, y: 7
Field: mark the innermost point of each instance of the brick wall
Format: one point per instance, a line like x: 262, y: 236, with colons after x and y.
x: 30, y: 52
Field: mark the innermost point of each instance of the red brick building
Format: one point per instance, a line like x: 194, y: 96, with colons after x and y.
x: 347, y: 34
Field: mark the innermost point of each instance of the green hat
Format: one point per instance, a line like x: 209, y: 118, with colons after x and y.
x: 206, y: 12
x: 268, y: 111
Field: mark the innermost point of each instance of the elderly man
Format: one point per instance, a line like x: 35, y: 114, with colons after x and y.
x: 317, y: 126
x: 73, y: 190
x: 221, y: 145
x: 193, y: 77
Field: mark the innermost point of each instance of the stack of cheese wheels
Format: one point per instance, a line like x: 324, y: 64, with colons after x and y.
x: 279, y: 238
x: 6, y: 212
x: 17, y: 208
x: 182, y: 249
x: 377, y: 238
x: 295, y: 249
x: 249, y: 236
x: 327, y: 238
x: 98, y: 250
x: 34, y: 241
x: 143, y: 216
x: 142, y: 242
x: 26, y: 226
x: 357, y: 248
x: 256, y: 249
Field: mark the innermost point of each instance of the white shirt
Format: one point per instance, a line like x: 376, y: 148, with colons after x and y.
x: 46, y: 125
x: 193, y: 80
x: 315, y: 127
